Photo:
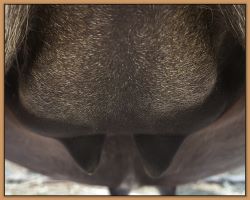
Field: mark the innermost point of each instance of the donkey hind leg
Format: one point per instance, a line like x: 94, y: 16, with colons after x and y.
x: 167, y: 191
x: 118, y: 191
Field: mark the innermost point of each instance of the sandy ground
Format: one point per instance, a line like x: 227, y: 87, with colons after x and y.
x: 21, y: 181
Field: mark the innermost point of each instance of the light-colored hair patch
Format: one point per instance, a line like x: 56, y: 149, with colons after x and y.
x: 16, y: 30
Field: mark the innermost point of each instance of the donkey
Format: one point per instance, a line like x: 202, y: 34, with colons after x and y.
x: 125, y: 95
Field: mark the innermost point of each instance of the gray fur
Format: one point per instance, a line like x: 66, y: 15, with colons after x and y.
x: 117, y: 61
x: 16, y: 30
x: 235, y: 16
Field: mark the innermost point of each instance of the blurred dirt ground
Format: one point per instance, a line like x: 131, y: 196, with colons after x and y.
x: 21, y: 181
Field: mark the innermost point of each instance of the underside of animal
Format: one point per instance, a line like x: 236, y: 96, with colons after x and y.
x: 125, y: 95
